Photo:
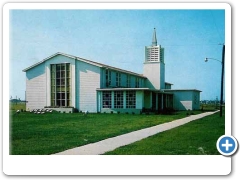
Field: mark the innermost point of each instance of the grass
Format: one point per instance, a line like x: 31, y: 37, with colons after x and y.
x: 35, y: 134
x: 209, y: 107
x: 195, y: 138
x: 42, y: 134
x: 17, y: 106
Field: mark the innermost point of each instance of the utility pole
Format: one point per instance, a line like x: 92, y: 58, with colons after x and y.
x: 221, y: 97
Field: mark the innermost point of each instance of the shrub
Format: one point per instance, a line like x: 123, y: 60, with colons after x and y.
x: 75, y: 110
x: 168, y: 111
x: 118, y: 112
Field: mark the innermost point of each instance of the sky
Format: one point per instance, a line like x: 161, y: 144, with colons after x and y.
x: 118, y: 38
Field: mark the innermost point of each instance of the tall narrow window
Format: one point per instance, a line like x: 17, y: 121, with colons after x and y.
x: 128, y: 81
x: 108, y: 78
x: 130, y: 99
x: 60, y: 85
x: 107, y: 99
x: 137, y: 82
x: 118, y: 99
x: 118, y: 79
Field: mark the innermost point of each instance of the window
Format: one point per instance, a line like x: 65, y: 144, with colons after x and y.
x: 118, y: 99
x: 60, y: 84
x: 108, y: 78
x: 130, y: 99
x: 128, y: 81
x: 107, y: 99
x: 118, y: 79
x: 137, y: 82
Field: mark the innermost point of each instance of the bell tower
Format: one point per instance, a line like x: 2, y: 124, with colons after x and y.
x: 153, y: 66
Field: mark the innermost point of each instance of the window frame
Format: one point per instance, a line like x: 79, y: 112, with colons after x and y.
x: 118, y: 79
x: 60, y: 80
x: 130, y: 99
x: 108, y: 77
x: 106, y: 99
x: 118, y: 99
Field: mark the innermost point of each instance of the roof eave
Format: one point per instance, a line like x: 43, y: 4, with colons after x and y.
x: 121, y: 89
x: 182, y: 90
x: 36, y: 64
x: 86, y: 61
x: 168, y: 83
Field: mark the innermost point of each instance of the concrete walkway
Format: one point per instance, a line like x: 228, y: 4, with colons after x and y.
x: 115, y: 142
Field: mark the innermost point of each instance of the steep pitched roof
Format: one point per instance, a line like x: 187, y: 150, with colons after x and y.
x: 86, y: 61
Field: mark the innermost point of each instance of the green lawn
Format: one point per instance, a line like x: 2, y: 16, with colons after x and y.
x: 36, y: 134
x: 17, y: 106
x: 195, y: 138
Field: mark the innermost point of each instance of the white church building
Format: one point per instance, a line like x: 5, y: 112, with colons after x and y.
x: 65, y: 81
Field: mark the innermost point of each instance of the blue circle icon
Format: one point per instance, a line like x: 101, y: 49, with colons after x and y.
x: 227, y: 145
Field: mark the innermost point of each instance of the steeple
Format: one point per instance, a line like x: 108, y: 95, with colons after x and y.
x: 154, y: 66
x: 154, y: 39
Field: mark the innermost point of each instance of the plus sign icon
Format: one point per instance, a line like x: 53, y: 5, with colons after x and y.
x: 227, y: 145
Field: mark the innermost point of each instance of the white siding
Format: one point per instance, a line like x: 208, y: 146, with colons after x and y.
x: 36, y: 87
x: 87, y: 81
x: 152, y: 72
x: 155, y: 72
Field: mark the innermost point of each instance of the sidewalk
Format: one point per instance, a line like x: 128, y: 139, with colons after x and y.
x: 115, y: 142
